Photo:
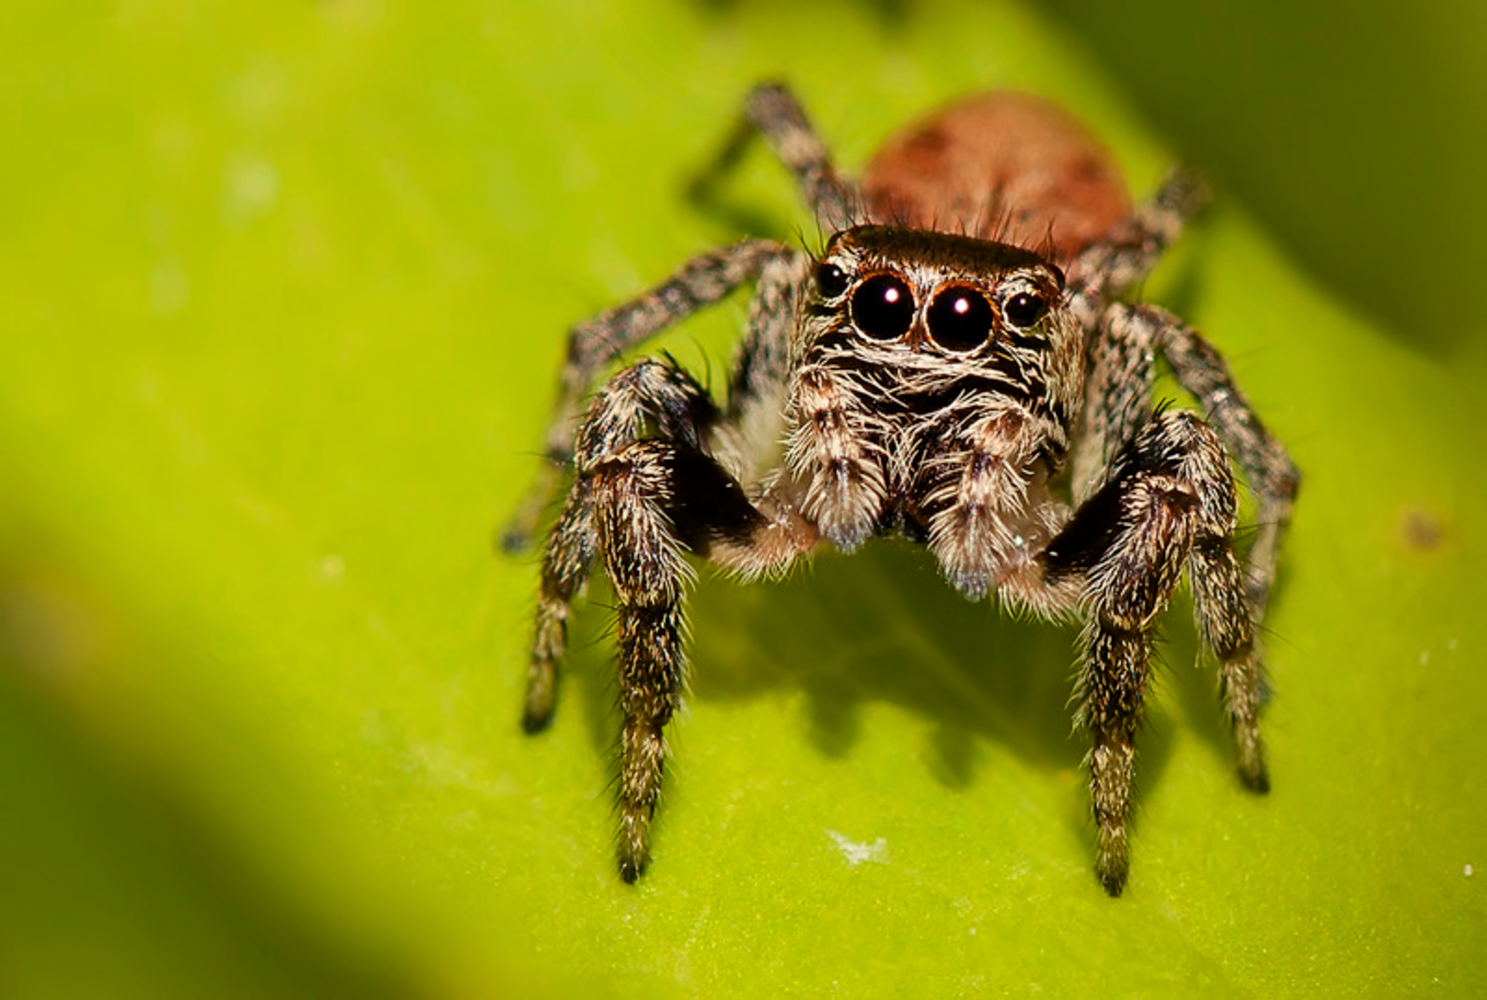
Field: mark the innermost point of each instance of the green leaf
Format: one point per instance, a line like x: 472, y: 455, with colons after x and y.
x: 285, y: 294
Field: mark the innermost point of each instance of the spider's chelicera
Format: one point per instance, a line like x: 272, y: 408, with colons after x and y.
x: 926, y: 375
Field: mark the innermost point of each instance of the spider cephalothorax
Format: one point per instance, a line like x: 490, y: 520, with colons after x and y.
x: 926, y: 362
x: 926, y: 375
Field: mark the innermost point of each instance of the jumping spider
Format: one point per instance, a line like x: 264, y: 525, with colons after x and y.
x: 927, y: 375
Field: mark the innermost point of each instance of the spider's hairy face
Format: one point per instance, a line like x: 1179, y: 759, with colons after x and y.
x: 909, y: 341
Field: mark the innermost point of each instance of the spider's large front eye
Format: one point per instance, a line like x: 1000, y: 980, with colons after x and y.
x: 960, y: 319
x: 1025, y: 309
x: 831, y: 280
x: 883, y: 307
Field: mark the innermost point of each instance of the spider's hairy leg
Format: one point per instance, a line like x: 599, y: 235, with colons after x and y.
x: 1228, y: 600
x: 565, y: 569
x: 1273, y: 478
x: 646, y: 566
x: 651, y: 394
x: 771, y: 111
x: 700, y: 282
x: 749, y: 434
x: 647, y: 491
x: 1167, y: 497
x: 984, y: 483
x: 1117, y: 396
x: 1122, y: 260
x: 656, y: 499
x: 1224, y: 619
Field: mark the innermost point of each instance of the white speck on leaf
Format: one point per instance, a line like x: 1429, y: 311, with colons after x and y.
x: 1468, y: 870
x: 856, y: 853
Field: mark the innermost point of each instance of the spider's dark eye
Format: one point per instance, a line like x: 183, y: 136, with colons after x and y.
x: 883, y: 307
x: 831, y: 280
x: 1025, y: 309
x: 960, y: 319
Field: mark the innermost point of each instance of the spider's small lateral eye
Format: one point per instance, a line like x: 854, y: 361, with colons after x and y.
x: 1025, y: 309
x: 831, y: 280
x: 960, y: 319
x: 883, y: 307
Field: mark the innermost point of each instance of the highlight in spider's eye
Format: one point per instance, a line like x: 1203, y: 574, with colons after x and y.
x: 831, y: 280
x: 883, y: 307
x: 1024, y: 309
x: 960, y: 319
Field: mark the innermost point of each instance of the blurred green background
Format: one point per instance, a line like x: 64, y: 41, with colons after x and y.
x: 284, y: 290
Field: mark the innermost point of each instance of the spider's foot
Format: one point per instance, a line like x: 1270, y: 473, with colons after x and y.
x: 1251, y: 754
x: 542, y: 693
x: 1112, y: 863
x: 533, y: 723
x: 1112, y: 766
x: 634, y: 846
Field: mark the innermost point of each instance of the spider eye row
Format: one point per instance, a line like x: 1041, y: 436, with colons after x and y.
x: 959, y: 317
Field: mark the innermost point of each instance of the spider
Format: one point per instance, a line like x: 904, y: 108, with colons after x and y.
x: 957, y: 366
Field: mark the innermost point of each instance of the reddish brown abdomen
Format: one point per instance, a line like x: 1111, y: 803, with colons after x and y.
x: 1003, y: 165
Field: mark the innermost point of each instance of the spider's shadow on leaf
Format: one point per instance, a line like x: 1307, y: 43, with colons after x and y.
x: 881, y: 626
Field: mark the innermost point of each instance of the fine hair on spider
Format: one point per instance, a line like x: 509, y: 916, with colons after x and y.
x: 959, y: 365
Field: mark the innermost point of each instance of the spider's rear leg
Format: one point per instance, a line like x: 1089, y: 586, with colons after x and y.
x: 1111, y: 267
x: 1167, y: 500
x: 772, y: 112
x: 565, y: 570
x: 1116, y: 264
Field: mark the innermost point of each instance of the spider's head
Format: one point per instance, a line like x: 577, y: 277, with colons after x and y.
x: 923, y: 291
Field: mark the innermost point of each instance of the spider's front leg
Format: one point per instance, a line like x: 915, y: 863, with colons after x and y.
x: 654, y: 396
x: 1228, y: 600
x: 1167, y: 500
x: 646, y: 491
x: 633, y: 492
